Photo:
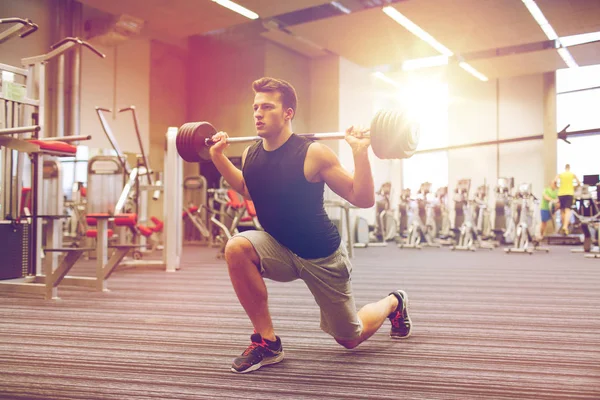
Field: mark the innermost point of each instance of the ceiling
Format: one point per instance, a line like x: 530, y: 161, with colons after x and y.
x: 476, y: 30
x: 183, y: 18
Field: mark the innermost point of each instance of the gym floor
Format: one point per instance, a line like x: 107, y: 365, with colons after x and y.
x: 486, y: 325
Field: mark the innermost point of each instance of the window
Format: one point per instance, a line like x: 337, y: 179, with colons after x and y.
x: 430, y: 105
x: 570, y: 79
x: 578, y: 104
x: 580, y: 109
x: 581, y: 154
x: 74, y: 170
x: 427, y: 167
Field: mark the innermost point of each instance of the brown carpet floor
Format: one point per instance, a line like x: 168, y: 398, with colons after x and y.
x: 486, y: 326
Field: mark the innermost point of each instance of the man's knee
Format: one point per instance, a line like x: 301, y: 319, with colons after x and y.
x: 240, y: 248
x: 349, y: 343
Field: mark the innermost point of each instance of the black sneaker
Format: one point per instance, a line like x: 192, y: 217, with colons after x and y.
x: 401, y: 324
x: 260, y: 352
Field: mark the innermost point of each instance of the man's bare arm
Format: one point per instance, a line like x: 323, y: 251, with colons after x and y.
x: 231, y: 174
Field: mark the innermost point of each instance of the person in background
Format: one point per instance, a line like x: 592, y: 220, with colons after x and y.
x: 548, y: 206
x: 566, y: 191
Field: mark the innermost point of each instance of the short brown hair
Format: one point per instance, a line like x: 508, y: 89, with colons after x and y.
x: 285, y: 89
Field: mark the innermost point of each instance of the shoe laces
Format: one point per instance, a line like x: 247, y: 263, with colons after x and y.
x: 396, y: 320
x: 255, y: 345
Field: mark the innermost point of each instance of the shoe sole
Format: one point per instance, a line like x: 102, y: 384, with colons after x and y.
x: 268, y: 361
x: 409, y: 320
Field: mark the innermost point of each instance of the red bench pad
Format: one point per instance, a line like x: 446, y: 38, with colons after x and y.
x: 158, y: 224
x: 93, y: 233
x: 144, y: 230
x: 58, y: 146
x: 126, y: 220
x: 91, y: 218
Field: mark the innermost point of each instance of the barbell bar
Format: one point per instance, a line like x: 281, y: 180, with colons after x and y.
x: 393, y: 136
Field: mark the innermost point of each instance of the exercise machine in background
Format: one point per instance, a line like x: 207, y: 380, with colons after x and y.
x: 586, y: 211
x: 422, y: 230
x: 528, y: 212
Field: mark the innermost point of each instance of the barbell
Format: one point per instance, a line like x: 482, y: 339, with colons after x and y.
x: 393, y: 136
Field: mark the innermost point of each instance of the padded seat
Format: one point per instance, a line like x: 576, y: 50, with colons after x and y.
x: 57, y: 146
x: 91, y: 219
x: 93, y: 233
x: 234, y: 200
x: 158, y: 224
x: 126, y: 220
x: 192, y: 210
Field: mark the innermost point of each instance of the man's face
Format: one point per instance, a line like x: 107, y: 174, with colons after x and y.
x: 269, y: 115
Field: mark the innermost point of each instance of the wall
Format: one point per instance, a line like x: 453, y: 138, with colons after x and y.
x: 120, y: 80
x: 168, y: 107
x: 285, y: 64
x: 483, y: 111
x: 221, y: 73
x: 325, y: 96
x: 357, y: 108
x: 147, y: 74
x: 39, y: 42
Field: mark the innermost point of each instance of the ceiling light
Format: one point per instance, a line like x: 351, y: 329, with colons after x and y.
x: 583, y: 38
x: 538, y: 15
x: 473, y: 71
x: 381, y: 75
x: 549, y: 31
x: 535, y: 12
x: 567, y: 57
x: 424, y: 62
x: 340, y: 7
x: 416, y: 30
x: 237, y: 8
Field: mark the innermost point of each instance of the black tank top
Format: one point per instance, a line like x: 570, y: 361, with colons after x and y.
x: 288, y: 206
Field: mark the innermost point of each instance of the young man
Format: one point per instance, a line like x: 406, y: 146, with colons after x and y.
x: 284, y: 175
x: 547, y: 206
x: 566, y: 191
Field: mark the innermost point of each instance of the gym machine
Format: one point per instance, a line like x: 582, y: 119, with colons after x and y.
x: 587, y: 214
x: 441, y: 215
x: 528, y: 213
x: 403, y: 211
x: 385, y: 223
x: 195, y: 214
x: 29, y: 265
x: 133, y: 199
x: 483, y: 220
x: 467, y: 237
x: 422, y: 230
x: 502, y: 219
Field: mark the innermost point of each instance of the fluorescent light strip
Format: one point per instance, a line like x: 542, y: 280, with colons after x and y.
x: 549, y: 31
x: 567, y: 57
x: 416, y: 30
x: 424, y: 62
x: 340, y: 7
x: 539, y: 17
x: 384, y: 78
x: 473, y: 71
x: 583, y: 38
x: 536, y: 13
x: 237, y: 8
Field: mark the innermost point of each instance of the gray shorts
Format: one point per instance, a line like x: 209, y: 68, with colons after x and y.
x: 327, y: 278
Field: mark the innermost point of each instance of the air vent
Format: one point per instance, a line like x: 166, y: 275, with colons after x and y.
x: 309, y: 14
x: 332, y: 9
x: 113, y: 30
